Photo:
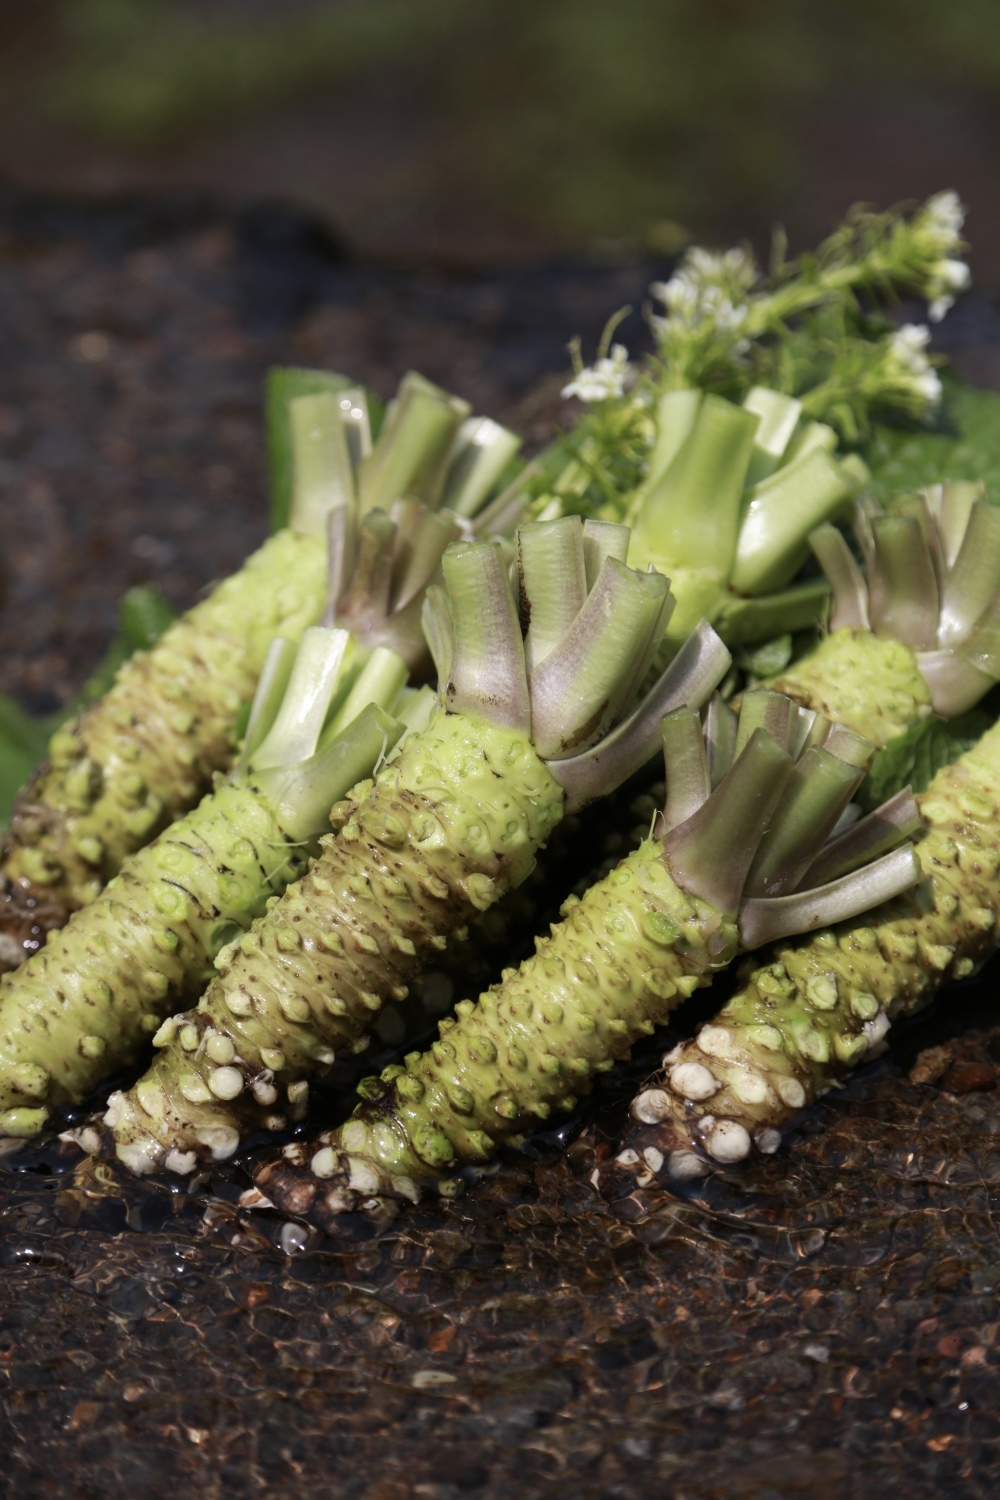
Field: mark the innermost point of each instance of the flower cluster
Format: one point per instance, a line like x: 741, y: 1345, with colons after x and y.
x: 937, y: 231
x: 707, y: 288
x: 604, y: 379
x: 907, y: 368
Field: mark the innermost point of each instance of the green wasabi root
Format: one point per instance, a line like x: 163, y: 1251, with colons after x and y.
x: 445, y: 829
x: 820, y: 1007
x: 872, y: 684
x: 637, y: 943
x: 610, y: 972
x: 82, y: 1006
x: 88, y: 1002
x: 450, y: 825
x: 146, y: 752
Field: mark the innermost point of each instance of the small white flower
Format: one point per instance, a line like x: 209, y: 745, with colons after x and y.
x: 929, y: 386
x: 603, y: 380
x: 939, y: 307
x: 908, y: 367
x: 954, y: 274
x: 944, y: 216
x: 909, y: 342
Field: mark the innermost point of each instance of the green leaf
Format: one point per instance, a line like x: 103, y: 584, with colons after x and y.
x: 768, y: 659
x: 966, y: 445
x: 143, y: 616
x: 914, y: 758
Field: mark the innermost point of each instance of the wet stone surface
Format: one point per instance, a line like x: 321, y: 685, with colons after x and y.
x: 826, y: 1324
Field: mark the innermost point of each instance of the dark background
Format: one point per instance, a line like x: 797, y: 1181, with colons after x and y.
x: 471, y: 131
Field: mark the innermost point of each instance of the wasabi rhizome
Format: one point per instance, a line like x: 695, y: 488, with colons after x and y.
x: 542, y: 711
x: 83, y: 1006
x: 728, y: 867
x: 126, y: 767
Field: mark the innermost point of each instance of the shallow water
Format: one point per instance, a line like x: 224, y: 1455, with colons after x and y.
x: 826, y: 1323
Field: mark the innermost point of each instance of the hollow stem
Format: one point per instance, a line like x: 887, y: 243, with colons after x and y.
x: 768, y: 920
x: 483, y: 450
x: 819, y: 788
x: 553, y: 583
x: 866, y: 839
x: 577, y: 691
x: 692, y: 512
x: 774, y: 537
x: 686, y: 764
x: 411, y: 454
x: 712, y: 852
x: 314, y: 679
x: 487, y: 673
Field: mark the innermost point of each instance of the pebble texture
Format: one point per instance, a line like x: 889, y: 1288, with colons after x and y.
x: 799, y: 1023
x: 870, y: 683
x: 84, y: 1005
x: 444, y: 831
x: 146, y: 752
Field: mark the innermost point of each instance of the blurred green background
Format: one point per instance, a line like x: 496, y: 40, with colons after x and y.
x: 486, y: 130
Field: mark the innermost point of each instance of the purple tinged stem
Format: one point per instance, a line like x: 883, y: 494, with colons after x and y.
x: 902, y: 588
x: 712, y: 852
x: 972, y: 582
x: 686, y: 765
x: 721, y: 724
x: 690, y: 679
x: 866, y: 839
x: 487, y: 675
x: 770, y: 919
x: 850, y: 592
x: 579, y: 688
x: 552, y: 583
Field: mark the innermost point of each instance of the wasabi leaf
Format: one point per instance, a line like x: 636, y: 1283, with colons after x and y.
x: 966, y: 445
x: 914, y: 758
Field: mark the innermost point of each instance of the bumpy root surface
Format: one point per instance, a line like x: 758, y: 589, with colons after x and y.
x: 623, y: 957
x: 440, y: 835
x: 146, y: 752
x: 86, y: 1003
x: 804, y: 1020
x: 869, y: 683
